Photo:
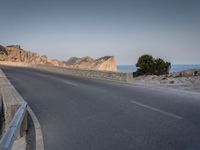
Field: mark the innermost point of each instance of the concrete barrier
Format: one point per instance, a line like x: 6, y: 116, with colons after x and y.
x: 11, y: 102
x: 10, y: 133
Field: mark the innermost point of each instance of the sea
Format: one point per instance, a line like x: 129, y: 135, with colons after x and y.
x: 174, y: 68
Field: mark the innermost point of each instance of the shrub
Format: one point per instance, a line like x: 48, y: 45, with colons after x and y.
x: 147, y: 65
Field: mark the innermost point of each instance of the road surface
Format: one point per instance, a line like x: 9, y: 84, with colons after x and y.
x: 85, y: 114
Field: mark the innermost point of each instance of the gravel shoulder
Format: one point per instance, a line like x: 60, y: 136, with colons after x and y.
x: 186, y: 80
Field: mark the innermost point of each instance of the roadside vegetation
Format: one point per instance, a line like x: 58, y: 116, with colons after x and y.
x: 148, y: 65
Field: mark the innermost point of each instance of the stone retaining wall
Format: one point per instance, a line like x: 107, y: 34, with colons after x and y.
x: 106, y: 75
x: 96, y: 74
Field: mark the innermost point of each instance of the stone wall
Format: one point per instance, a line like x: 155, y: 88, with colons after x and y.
x: 96, y: 74
x: 105, y: 75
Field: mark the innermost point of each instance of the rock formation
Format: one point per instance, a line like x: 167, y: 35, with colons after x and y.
x: 185, y: 73
x: 14, y: 53
x: 55, y: 62
x: 106, y: 63
x: 77, y: 61
x: 3, y: 50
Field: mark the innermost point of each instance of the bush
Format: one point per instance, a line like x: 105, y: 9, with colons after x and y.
x: 147, y: 65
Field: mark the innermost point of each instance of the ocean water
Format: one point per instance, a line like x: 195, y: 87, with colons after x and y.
x: 174, y: 68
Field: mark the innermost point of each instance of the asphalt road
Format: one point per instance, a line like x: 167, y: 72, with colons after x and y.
x: 86, y: 114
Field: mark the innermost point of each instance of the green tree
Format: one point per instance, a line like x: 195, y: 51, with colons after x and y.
x: 147, y: 65
x: 161, y: 67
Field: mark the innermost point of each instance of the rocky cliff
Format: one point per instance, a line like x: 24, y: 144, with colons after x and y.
x: 106, y: 63
x: 14, y: 53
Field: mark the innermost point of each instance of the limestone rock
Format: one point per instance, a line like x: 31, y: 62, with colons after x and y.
x: 186, y: 73
x: 3, y: 50
x: 14, y: 53
x: 55, y: 62
x: 106, y: 63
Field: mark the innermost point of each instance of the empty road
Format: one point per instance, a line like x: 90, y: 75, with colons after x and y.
x: 85, y: 114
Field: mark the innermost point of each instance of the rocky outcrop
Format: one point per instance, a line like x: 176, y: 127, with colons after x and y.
x: 3, y: 50
x: 14, y: 53
x: 106, y: 63
x: 185, y: 80
x: 186, y: 73
x: 55, y: 62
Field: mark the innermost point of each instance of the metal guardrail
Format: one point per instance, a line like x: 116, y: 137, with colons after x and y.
x: 10, y: 134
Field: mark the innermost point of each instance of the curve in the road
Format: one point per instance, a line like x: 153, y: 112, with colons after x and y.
x: 78, y: 113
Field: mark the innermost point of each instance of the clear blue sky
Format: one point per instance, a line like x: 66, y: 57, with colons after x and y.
x: 169, y: 29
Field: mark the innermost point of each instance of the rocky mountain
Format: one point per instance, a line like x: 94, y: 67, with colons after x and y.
x: 106, y: 63
x: 14, y: 53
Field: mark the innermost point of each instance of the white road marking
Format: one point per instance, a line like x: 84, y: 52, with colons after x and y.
x: 58, y: 79
x: 68, y: 82
x: 157, y: 110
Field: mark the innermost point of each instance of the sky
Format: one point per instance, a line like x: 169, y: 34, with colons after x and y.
x: 126, y: 29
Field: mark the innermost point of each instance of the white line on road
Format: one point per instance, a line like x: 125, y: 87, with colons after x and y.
x: 58, y: 79
x: 65, y: 81
x: 69, y: 82
x: 157, y: 110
